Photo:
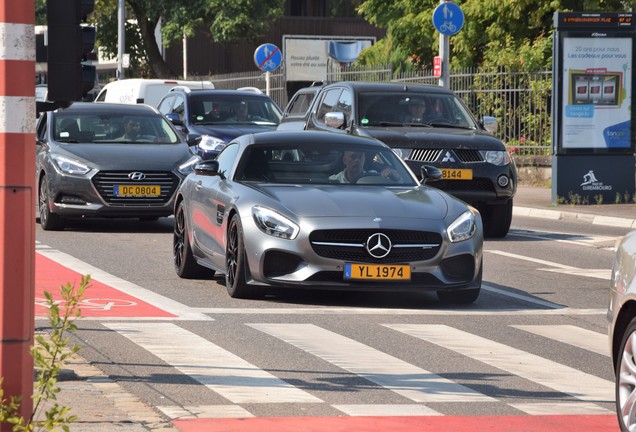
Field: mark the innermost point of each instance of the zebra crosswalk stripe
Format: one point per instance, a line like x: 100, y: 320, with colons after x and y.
x: 221, y: 371
x: 383, y: 369
x: 551, y: 374
x: 571, y: 335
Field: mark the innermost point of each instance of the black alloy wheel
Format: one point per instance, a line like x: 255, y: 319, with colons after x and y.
x: 49, y: 221
x: 185, y: 264
x: 235, y: 262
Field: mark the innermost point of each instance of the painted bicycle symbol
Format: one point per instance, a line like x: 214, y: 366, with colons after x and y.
x: 90, y: 304
x: 447, y: 26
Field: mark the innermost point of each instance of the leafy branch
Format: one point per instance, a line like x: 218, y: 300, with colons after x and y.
x: 49, y: 354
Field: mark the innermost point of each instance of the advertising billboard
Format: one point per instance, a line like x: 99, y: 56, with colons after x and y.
x: 597, y: 88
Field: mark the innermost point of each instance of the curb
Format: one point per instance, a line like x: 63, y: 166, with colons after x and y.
x: 612, y: 221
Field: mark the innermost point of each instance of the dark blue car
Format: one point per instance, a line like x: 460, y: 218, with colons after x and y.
x: 215, y: 117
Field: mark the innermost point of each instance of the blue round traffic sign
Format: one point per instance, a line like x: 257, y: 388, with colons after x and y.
x: 448, y: 18
x: 268, y: 57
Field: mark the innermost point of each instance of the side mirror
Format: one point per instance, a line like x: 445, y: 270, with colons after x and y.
x: 208, y: 168
x: 334, y: 119
x: 490, y: 123
x: 175, y: 119
x: 430, y: 173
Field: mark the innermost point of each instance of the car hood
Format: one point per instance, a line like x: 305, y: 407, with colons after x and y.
x: 113, y: 156
x: 414, y: 137
x: 359, y: 201
x: 228, y: 132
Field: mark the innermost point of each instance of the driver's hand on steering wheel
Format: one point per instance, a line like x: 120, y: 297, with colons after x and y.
x: 390, y: 173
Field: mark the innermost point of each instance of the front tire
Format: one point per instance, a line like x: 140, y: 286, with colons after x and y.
x: 497, y: 219
x: 465, y: 296
x: 49, y: 221
x: 235, y: 262
x: 184, y: 262
x: 626, y: 379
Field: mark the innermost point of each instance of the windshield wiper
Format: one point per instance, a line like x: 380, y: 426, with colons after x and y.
x: 447, y: 125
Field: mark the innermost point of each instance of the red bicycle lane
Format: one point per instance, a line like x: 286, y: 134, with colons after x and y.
x: 100, y: 300
x: 521, y: 423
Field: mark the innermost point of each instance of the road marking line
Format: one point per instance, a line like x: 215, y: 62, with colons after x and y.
x: 571, y: 335
x: 217, y: 369
x: 387, y: 410
x: 388, y: 311
x: 182, y: 311
x: 562, y: 408
x: 604, y: 274
x: 204, y: 411
x: 526, y: 365
x: 410, y: 381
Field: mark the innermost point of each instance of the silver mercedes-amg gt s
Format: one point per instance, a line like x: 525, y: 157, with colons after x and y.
x: 324, y: 211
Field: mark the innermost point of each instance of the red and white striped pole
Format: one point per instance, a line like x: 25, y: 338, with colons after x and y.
x: 17, y: 200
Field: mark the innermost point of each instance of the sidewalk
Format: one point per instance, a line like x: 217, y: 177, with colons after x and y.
x: 102, y: 405
x: 537, y: 202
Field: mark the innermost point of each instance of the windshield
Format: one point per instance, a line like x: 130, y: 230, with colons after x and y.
x: 413, y: 109
x: 233, y: 109
x: 74, y: 127
x: 324, y: 163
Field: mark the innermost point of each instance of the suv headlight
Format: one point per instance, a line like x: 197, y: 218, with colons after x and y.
x: 69, y: 166
x: 274, y: 224
x: 462, y: 228
x: 211, y: 143
x: 496, y: 157
x: 187, y: 167
x: 403, y: 153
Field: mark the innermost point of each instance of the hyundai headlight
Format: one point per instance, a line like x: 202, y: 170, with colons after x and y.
x: 274, y: 224
x: 496, y: 157
x: 463, y: 228
x: 210, y: 143
x: 188, y: 166
x: 69, y: 166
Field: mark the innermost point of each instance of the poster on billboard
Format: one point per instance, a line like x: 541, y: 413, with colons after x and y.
x: 307, y: 57
x: 596, y: 93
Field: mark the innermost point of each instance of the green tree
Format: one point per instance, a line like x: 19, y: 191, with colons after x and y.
x: 515, y: 34
x: 223, y: 21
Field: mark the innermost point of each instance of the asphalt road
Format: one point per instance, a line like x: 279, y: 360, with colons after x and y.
x: 533, y: 344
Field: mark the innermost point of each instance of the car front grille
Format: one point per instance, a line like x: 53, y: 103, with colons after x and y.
x: 434, y: 155
x: 350, y: 245
x: 105, y: 182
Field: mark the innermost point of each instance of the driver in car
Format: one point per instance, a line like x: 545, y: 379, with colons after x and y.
x: 354, y: 169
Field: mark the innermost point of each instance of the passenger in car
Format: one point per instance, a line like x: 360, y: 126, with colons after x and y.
x: 417, y: 111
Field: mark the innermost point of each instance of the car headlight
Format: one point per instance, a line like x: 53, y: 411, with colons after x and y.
x: 274, y: 224
x: 69, y: 166
x: 403, y: 153
x: 188, y: 166
x: 462, y: 228
x: 211, y: 143
x: 496, y: 157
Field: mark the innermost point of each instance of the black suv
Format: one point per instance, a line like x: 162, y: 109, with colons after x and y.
x: 424, y: 125
x: 215, y: 117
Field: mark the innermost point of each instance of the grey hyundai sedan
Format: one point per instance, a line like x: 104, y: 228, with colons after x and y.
x: 325, y: 211
x: 108, y: 160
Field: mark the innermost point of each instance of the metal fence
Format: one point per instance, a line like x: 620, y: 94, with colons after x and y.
x: 521, y: 101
